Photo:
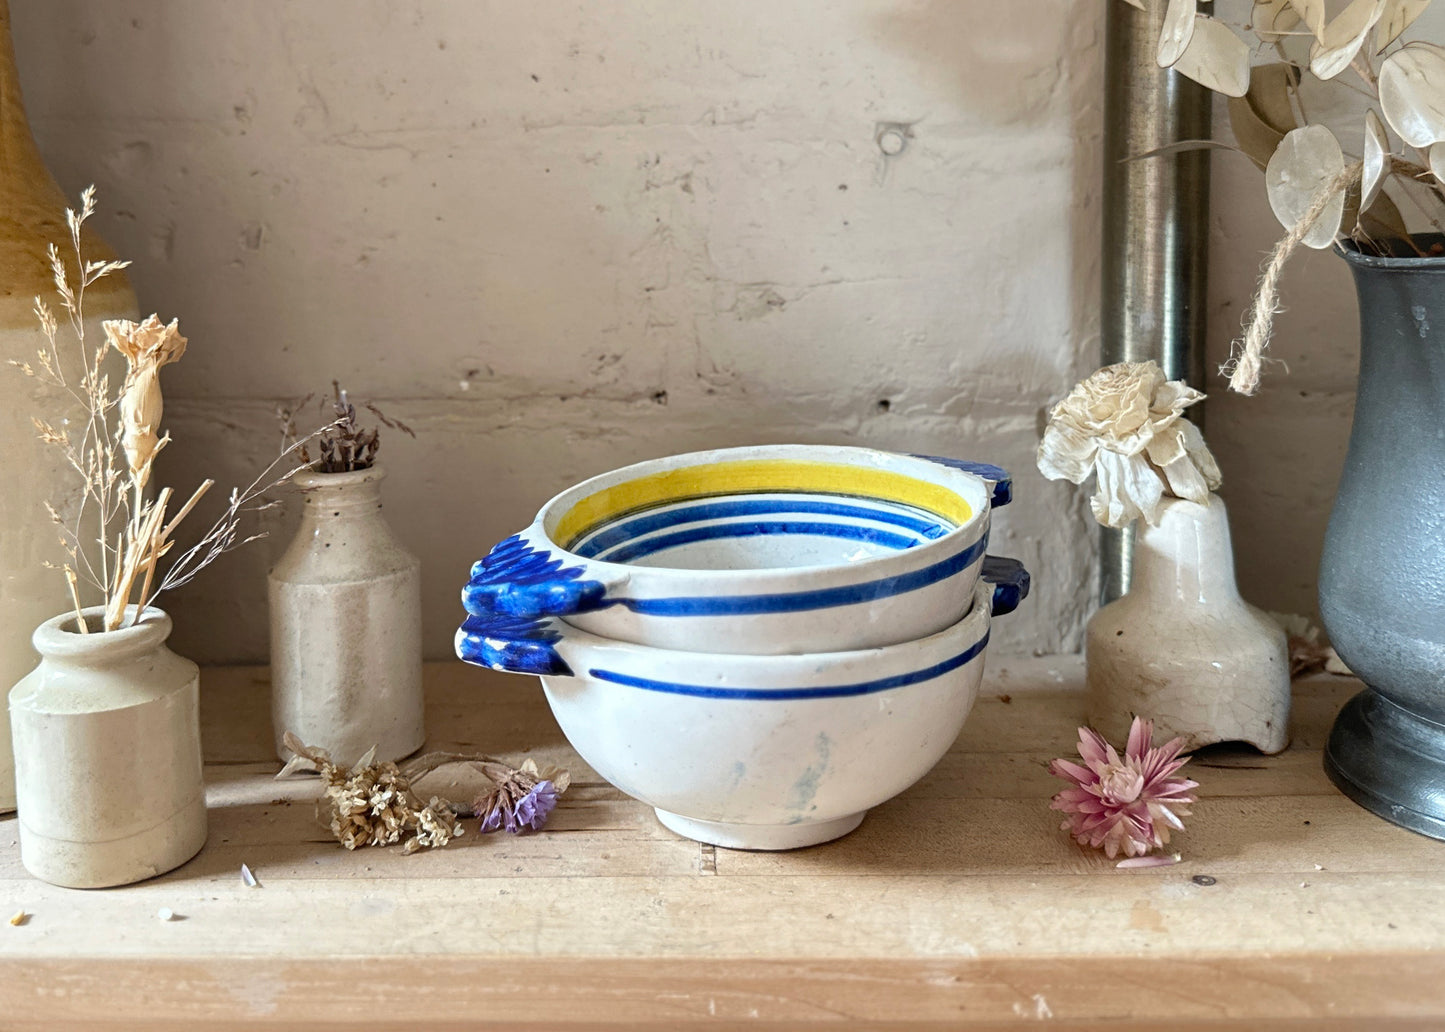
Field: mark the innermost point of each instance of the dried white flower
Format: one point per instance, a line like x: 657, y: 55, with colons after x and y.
x: 147, y: 346
x: 1125, y: 423
x: 436, y: 825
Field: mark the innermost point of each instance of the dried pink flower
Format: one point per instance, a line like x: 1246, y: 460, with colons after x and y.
x: 1124, y: 804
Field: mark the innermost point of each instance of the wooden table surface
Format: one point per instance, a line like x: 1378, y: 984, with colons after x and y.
x: 960, y: 903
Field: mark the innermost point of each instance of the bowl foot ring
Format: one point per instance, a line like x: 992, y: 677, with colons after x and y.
x: 760, y: 836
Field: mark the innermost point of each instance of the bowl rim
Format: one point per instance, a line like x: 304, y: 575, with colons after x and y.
x: 971, y: 631
x: 976, y: 527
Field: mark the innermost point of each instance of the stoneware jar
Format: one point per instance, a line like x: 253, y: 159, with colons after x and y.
x: 32, y: 216
x: 346, y: 625
x: 108, y: 754
x: 1182, y: 648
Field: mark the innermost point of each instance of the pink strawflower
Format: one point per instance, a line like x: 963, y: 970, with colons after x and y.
x: 1124, y: 804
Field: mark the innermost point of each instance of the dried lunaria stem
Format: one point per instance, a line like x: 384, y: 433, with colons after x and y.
x: 375, y: 804
x: 1363, y: 50
x: 114, y: 448
x: 1247, y: 359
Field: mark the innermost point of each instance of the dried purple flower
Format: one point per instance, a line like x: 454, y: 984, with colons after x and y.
x: 521, y: 798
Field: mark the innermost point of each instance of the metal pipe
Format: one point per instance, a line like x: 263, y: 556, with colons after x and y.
x: 1156, y: 223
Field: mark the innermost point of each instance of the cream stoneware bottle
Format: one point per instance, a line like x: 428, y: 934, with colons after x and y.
x: 346, y: 625
x: 108, y: 754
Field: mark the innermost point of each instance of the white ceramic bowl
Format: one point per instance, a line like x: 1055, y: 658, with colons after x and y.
x: 775, y: 550
x: 750, y: 752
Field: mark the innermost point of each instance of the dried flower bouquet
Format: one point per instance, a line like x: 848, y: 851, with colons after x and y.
x: 375, y: 804
x: 114, y: 448
x: 345, y: 445
x: 1320, y: 190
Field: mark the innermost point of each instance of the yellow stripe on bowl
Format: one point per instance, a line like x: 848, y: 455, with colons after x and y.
x: 754, y: 475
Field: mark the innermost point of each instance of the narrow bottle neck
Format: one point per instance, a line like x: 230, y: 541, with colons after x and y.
x: 340, y: 496
x: 1188, y: 556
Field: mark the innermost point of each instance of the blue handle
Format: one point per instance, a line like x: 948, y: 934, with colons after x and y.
x: 511, y: 645
x: 998, y: 478
x: 518, y: 580
x: 1010, y: 583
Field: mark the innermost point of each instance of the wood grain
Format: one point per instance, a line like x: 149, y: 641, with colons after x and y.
x: 958, y: 904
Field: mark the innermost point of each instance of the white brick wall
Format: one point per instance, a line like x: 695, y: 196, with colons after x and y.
x: 556, y: 238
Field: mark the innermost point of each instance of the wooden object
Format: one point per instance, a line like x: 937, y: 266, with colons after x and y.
x: 958, y: 905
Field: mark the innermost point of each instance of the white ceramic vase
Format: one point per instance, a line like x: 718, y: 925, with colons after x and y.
x: 108, y: 754
x: 346, y: 625
x: 1182, y: 648
x: 32, y: 216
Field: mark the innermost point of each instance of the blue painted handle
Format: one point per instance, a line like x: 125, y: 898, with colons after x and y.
x: 1010, y: 583
x: 518, y: 580
x: 997, y: 477
x: 512, y: 645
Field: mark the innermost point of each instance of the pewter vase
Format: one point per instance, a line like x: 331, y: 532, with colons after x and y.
x: 346, y: 625
x: 108, y: 753
x: 1382, y: 573
x: 1182, y: 648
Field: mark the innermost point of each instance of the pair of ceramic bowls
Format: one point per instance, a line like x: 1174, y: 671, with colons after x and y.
x: 761, y: 643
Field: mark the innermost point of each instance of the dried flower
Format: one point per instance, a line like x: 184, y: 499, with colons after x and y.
x: 147, y: 346
x: 1125, y: 423
x: 117, y: 532
x: 1308, y: 650
x: 521, y: 798
x: 345, y: 444
x: 436, y: 825
x: 1124, y: 804
x: 374, y: 804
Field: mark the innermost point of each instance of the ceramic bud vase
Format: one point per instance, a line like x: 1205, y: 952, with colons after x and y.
x: 108, y: 754
x: 32, y: 216
x: 1182, y: 648
x: 346, y: 625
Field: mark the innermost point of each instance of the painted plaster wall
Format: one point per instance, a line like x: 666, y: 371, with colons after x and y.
x: 556, y: 238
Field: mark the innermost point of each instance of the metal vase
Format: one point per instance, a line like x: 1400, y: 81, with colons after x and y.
x: 1382, y: 575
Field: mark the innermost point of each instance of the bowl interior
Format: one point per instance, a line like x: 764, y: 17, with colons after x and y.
x: 761, y: 531
x: 757, y: 514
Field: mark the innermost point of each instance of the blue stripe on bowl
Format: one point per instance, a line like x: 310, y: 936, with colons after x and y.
x: 591, y: 547
x: 637, y: 549
x: 799, y: 601
x: 838, y: 691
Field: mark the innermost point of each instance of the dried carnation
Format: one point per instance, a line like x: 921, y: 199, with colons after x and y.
x: 1125, y: 423
x: 147, y: 346
x: 1124, y: 804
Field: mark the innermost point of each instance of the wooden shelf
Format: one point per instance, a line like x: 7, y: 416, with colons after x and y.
x: 960, y: 903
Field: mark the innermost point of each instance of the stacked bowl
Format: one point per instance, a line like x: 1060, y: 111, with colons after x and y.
x: 761, y: 643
